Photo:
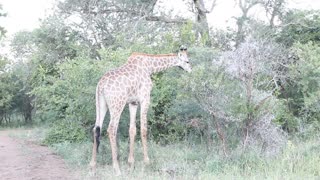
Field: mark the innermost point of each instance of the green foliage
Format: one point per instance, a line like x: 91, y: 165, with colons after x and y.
x: 14, y: 98
x: 71, y: 93
x: 285, y: 116
x: 172, y: 106
x: 10, y: 94
x: 55, y: 41
x: 300, y: 95
x: 65, y: 131
x: 23, y: 45
x: 162, y: 98
x: 187, y: 34
x: 300, y: 26
x: 306, y: 73
x: 6, y: 87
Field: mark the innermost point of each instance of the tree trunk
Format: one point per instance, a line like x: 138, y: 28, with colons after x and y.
x: 221, y: 135
x: 245, y: 6
x: 250, y: 116
x: 28, y: 111
x: 202, y: 21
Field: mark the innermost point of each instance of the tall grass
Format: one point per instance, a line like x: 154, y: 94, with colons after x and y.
x: 299, y: 160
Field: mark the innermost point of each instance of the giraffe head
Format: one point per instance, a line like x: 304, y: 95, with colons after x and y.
x: 183, y: 60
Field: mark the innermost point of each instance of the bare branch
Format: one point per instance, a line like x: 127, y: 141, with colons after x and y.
x: 199, y: 4
x: 257, y: 107
x: 143, y: 15
x: 166, y: 20
x: 214, y: 3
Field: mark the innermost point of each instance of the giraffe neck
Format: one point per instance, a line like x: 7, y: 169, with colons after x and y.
x: 157, y: 63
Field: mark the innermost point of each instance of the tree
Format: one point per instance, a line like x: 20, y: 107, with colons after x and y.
x: 248, y: 25
x: 115, y: 24
x: 201, y: 19
x: 107, y: 23
x: 257, y: 65
x: 274, y: 9
x: 23, y: 100
x: 238, y: 89
x: 6, y: 91
x: 298, y: 30
x: 305, y: 74
x: 245, y: 6
x: 217, y: 95
x: 300, y: 26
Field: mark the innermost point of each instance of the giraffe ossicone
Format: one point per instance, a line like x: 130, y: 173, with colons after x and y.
x: 131, y: 83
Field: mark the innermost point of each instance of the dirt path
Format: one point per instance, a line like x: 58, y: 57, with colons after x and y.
x: 23, y: 160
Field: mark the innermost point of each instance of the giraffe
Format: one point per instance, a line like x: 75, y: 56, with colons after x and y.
x: 131, y: 83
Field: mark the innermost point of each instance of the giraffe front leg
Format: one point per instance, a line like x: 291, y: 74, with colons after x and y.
x: 132, y: 132
x: 144, y: 129
x: 93, y: 162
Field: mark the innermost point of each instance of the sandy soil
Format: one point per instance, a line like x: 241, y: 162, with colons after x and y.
x: 24, y: 160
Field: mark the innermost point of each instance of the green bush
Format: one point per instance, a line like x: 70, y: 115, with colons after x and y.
x: 303, y: 95
x: 65, y: 131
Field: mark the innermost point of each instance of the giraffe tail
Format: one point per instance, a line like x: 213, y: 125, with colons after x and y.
x: 96, y: 135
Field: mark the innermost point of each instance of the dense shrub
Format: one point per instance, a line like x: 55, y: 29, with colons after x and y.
x: 65, y: 131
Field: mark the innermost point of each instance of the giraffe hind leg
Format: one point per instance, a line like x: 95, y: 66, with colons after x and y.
x: 96, y: 135
x: 101, y: 109
x: 132, y: 133
x: 96, y: 142
x: 115, y: 113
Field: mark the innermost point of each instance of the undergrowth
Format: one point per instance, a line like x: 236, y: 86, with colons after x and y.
x: 65, y: 131
x: 182, y: 161
x: 299, y: 160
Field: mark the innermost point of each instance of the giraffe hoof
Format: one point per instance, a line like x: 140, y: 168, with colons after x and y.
x: 117, y: 173
x: 92, y: 173
x: 146, y: 161
x: 131, y: 167
x: 92, y: 165
x: 93, y: 168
